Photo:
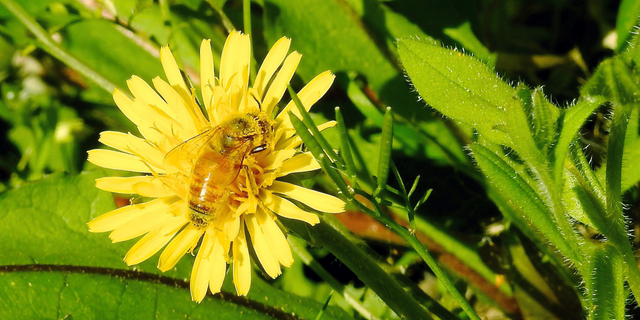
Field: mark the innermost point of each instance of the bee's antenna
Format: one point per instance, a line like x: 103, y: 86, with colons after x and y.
x: 254, y: 95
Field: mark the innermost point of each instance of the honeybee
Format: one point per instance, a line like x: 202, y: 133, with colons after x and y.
x: 219, y: 153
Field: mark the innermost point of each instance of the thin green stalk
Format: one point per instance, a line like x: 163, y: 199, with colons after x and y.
x: 53, y: 48
x: 226, y: 22
x: 386, y: 142
x: 246, y: 20
x: 326, y: 235
x: 345, y: 148
x: 319, y: 154
x: 385, y: 220
x: 311, y: 141
x: 328, y: 150
x: 246, y: 16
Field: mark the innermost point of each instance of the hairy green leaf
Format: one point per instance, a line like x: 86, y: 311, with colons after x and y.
x: 626, y: 21
x: 605, y: 284
x: 459, y: 86
x: 544, y: 116
x: 522, y: 197
x: 569, y: 124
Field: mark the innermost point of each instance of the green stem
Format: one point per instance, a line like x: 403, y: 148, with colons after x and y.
x: 306, y: 119
x: 53, y: 48
x: 301, y: 252
x: 345, y: 148
x: 327, y: 235
x: 226, y: 22
x: 386, y: 142
x: 419, y: 248
x: 546, y: 188
x: 616, y: 232
x: 246, y: 20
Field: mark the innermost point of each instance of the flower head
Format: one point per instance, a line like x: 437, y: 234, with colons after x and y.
x: 212, y: 177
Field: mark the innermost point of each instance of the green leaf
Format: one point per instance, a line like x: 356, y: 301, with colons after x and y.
x: 605, y: 285
x: 459, y: 86
x: 51, y: 266
x: 626, y: 21
x: 544, y: 116
x: 386, y: 142
x: 569, y: 123
x: 91, y: 41
x: 362, y: 49
x: 330, y: 234
x: 522, y: 197
x: 578, y: 204
x: 54, y: 293
x: 125, y: 9
x: 614, y: 81
x: 630, y: 171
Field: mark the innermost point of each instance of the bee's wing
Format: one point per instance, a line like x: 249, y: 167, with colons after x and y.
x: 184, y: 156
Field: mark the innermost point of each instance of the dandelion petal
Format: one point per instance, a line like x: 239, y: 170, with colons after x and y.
x: 314, y: 199
x: 241, y: 264
x: 267, y: 259
x: 185, y: 241
x: 118, y: 217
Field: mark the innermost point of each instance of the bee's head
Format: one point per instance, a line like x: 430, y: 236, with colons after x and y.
x: 250, y: 131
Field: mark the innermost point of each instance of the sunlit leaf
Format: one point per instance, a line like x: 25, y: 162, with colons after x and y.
x: 459, y: 86
x: 52, y: 266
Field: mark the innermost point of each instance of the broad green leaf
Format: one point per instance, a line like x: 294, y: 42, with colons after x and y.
x: 459, y: 86
x: 522, y: 197
x: 605, y: 285
x: 356, y: 47
x: 83, y: 293
x: 92, y: 42
x: 626, y: 21
x: 192, y: 4
x: 52, y: 266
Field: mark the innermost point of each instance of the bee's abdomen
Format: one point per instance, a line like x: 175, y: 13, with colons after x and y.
x: 205, y: 199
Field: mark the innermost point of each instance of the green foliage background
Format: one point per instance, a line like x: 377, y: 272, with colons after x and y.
x: 529, y: 139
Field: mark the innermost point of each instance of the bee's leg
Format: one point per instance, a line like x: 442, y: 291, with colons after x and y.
x: 252, y: 188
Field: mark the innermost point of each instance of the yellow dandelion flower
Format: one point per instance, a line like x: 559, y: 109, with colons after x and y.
x: 213, y: 176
